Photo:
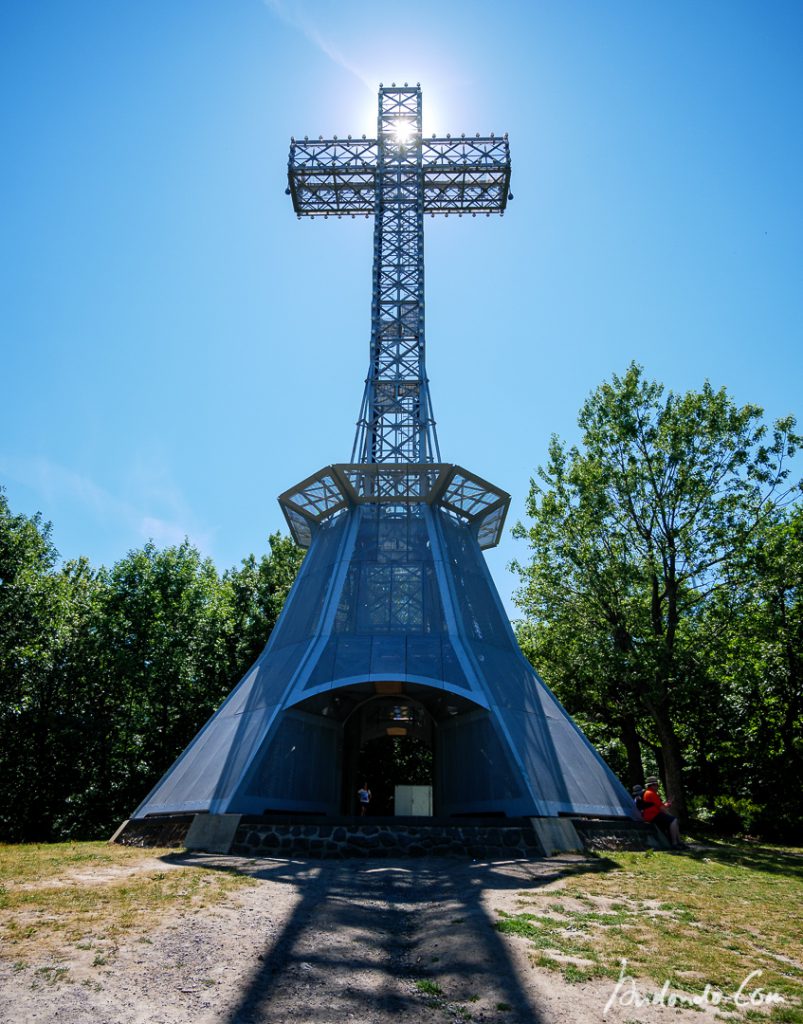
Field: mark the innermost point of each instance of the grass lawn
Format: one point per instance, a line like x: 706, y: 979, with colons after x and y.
x: 707, y: 916
x: 53, y: 896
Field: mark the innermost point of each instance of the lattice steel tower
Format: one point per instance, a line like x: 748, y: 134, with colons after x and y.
x: 394, y: 626
x: 397, y: 178
x: 396, y: 423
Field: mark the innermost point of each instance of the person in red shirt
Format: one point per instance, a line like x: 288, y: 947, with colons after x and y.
x: 654, y: 810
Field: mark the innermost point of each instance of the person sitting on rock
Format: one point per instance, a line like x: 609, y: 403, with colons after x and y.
x: 655, y: 811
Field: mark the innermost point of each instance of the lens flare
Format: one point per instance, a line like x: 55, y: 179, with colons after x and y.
x: 403, y: 132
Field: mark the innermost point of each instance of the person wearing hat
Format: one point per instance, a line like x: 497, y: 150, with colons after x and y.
x: 656, y: 811
x: 638, y: 792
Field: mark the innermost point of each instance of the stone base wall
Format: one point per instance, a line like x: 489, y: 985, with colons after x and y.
x: 505, y: 842
x: 170, y: 830
x: 597, y: 834
x: 510, y: 840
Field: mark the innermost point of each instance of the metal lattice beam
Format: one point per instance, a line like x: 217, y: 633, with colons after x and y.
x: 469, y: 498
x: 398, y: 177
x: 337, y: 177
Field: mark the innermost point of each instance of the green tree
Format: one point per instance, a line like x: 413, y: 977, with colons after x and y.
x: 160, y: 660
x: 174, y: 639
x: 632, y: 533
x: 257, y: 591
x: 754, y: 642
x: 105, y: 676
x: 776, y: 625
x: 43, y: 608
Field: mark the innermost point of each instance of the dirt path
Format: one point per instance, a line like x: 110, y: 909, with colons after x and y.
x: 328, y: 942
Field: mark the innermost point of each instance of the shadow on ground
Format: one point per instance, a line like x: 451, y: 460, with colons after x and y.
x: 758, y: 856
x: 375, y: 941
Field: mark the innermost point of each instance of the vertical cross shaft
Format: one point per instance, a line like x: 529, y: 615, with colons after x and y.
x: 396, y: 423
x: 398, y: 177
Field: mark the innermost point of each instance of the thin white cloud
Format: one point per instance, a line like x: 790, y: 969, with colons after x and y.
x: 56, y: 484
x: 292, y: 14
x: 161, y: 532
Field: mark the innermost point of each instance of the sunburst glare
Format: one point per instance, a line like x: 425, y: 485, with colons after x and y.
x: 403, y: 132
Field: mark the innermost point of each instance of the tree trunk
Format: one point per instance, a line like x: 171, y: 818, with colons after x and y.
x: 632, y: 745
x: 674, y: 789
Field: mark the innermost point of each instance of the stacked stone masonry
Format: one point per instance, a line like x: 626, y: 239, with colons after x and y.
x: 376, y: 841
x: 159, y: 831
x: 601, y: 835
x: 510, y: 840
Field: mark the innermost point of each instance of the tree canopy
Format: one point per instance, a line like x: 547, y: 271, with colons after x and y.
x: 659, y: 551
x: 107, y: 674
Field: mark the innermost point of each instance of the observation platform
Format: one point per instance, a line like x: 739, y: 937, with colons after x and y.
x: 467, y: 497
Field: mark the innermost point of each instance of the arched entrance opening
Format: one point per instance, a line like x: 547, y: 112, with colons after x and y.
x: 387, y: 742
x: 393, y: 734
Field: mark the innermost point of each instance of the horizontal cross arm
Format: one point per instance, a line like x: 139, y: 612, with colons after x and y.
x: 328, y: 177
x: 466, y: 175
x: 332, y: 176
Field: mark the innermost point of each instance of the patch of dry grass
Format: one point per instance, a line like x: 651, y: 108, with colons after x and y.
x: 709, y: 916
x: 85, y: 895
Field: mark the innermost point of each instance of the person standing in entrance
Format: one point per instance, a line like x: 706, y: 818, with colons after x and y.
x: 364, y: 796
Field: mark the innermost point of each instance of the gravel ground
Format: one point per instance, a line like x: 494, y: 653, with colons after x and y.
x: 328, y: 942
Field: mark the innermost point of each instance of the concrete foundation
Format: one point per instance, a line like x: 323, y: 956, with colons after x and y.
x: 212, y: 833
x: 557, y: 835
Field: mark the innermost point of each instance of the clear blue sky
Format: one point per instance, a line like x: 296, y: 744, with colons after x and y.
x: 177, y: 349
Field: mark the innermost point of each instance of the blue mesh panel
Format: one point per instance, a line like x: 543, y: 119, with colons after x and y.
x: 327, y: 539
x: 475, y: 768
x: 324, y: 670
x: 390, y: 585
x: 303, y: 615
x: 210, y: 767
x: 365, y: 547
x: 353, y: 656
x: 346, y: 615
x: 434, y: 621
x: 424, y: 656
x: 476, y: 605
x: 298, y: 763
x: 389, y: 619
x: 530, y: 736
x: 266, y: 682
x: 278, y: 667
x: 583, y: 781
x: 508, y: 676
x: 388, y: 656
x: 452, y: 670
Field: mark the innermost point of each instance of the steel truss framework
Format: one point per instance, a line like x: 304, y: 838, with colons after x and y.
x: 394, y: 596
x: 471, y: 500
x: 398, y: 177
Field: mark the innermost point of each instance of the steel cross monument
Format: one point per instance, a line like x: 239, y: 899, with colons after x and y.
x: 397, y: 177
x: 393, y: 627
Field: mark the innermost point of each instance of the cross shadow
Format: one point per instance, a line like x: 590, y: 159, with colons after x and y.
x: 373, y: 940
